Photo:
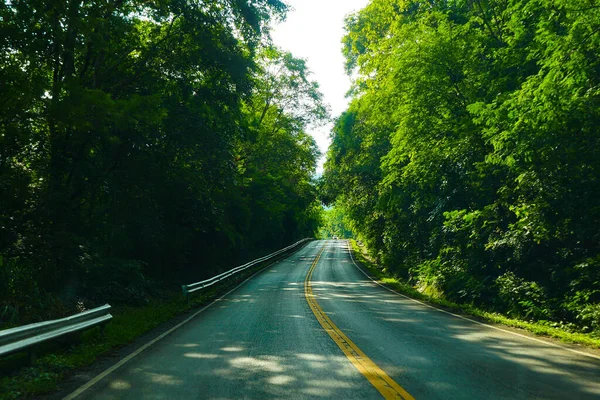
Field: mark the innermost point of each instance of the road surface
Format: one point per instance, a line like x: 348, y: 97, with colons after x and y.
x: 265, y: 340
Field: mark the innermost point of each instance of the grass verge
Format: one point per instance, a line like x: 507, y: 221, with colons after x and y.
x: 49, y: 370
x: 538, y: 328
x: 19, y: 380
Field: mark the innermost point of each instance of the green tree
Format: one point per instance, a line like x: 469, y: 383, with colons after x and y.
x: 334, y: 224
x: 146, y: 143
x: 276, y: 157
x: 468, y: 157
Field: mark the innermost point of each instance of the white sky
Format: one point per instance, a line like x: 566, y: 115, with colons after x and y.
x: 314, y: 31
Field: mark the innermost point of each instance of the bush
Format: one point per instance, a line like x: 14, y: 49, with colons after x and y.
x: 589, y: 317
x: 522, y: 298
x: 118, y: 281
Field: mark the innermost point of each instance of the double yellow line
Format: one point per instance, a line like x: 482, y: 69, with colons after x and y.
x: 388, y: 388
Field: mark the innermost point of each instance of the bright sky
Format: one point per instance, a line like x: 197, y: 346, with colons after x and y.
x: 314, y: 31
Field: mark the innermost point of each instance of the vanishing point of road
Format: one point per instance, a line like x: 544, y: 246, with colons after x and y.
x: 315, y: 326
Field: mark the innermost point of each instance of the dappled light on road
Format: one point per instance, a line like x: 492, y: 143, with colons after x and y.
x: 522, y: 367
x: 264, y: 376
x: 118, y: 384
x: 263, y: 341
x: 258, y: 342
x: 200, y: 355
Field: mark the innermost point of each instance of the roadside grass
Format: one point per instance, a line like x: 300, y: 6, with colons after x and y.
x: 46, y: 373
x: 538, y: 328
x: 20, y: 380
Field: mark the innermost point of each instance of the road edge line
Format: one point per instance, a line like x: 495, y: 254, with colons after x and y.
x: 582, y: 353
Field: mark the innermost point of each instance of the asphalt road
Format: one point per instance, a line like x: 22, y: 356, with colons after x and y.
x: 264, y: 341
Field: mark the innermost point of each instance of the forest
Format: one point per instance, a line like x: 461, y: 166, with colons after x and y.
x: 148, y: 143
x: 144, y: 144
x: 468, y: 160
x: 333, y: 224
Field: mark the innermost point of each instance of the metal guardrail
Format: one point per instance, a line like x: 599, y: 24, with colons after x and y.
x: 191, y: 288
x: 27, y: 336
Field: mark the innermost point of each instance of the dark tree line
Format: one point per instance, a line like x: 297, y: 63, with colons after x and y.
x: 145, y: 143
x: 469, y: 158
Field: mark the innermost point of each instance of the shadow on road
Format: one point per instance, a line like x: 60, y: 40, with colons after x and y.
x: 436, y: 351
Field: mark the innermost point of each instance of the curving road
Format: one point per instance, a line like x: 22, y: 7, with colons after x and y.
x: 355, y: 341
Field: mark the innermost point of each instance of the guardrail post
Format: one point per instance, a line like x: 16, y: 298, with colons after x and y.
x: 186, y: 294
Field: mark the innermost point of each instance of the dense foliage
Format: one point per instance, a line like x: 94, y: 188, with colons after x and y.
x: 334, y: 225
x: 144, y: 144
x: 469, y: 158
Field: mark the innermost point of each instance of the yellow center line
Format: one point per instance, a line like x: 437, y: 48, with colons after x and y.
x: 388, y: 388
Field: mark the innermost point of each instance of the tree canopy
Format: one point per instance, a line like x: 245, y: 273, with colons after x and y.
x: 144, y: 144
x: 334, y: 224
x: 468, y: 158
